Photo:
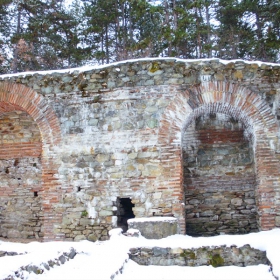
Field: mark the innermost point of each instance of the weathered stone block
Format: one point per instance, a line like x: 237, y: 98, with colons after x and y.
x: 216, y: 256
x: 105, y: 213
x: 79, y: 237
x: 236, y: 201
x: 13, y: 233
x: 154, y: 228
x: 277, y: 221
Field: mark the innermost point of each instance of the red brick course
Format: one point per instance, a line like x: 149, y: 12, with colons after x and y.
x: 242, y: 104
x: 19, y: 97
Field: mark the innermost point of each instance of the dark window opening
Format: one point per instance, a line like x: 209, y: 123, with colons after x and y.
x: 124, y: 212
x: 35, y: 194
x: 79, y: 189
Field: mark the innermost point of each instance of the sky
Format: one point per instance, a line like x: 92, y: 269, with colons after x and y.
x: 105, y: 259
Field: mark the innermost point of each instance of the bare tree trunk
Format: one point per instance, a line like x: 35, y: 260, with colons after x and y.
x: 102, y: 49
x: 209, y: 53
x: 124, y: 33
x: 167, y: 16
x: 117, y: 31
x: 198, y: 35
x: 130, y: 32
x: 107, y: 44
x: 175, y: 24
x: 15, y: 58
x: 262, y: 51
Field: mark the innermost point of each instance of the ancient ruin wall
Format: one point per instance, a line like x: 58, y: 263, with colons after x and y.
x: 219, y: 177
x: 20, y: 176
x: 116, y: 132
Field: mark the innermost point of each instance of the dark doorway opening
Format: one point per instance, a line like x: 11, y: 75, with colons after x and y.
x: 124, y: 212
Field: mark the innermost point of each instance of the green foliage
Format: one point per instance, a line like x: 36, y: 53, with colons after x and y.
x: 216, y: 260
x: 154, y: 67
x: 84, y: 214
x: 45, y: 34
x: 190, y: 255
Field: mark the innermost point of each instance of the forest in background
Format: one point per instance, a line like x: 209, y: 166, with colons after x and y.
x: 55, y: 34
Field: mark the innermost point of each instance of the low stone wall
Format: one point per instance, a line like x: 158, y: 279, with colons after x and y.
x: 39, y: 269
x: 230, y: 211
x: 215, y: 256
x: 154, y: 227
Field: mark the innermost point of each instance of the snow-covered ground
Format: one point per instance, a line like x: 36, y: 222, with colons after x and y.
x: 102, y: 260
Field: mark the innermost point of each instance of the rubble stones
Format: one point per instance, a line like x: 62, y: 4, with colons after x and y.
x: 215, y: 256
x: 39, y: 269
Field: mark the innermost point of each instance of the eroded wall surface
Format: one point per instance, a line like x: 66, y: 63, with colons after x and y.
x: 20, y: 176
x: 125, y: 131
x: 219, y: 177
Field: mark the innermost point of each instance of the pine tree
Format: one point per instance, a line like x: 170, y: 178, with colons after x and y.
x: 53, y: 32
x: 146, y: 27
x: 101, y: 19
x: 4, y: 36
x: 230, y: 14
x: 264, y: 17
x: 45, y: 34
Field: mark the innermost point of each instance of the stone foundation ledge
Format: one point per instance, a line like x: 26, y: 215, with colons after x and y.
x: 39, y: 269
x: 154, y: 227
x: 214, y: 255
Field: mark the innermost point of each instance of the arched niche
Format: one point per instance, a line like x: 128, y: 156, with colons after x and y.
x: 19, y: 98
x: 20, y: 176
x: 258, y: 127
x: 219, y: 175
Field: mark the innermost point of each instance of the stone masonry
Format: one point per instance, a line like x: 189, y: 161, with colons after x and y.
x: 194, y: 139
x: 216, y: 256
x: 219, y: 177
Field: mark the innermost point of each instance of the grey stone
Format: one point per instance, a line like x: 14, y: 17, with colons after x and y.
x: 3, y: 253
x: 80, y: 237
x: 72, y: 253
x: 152, y: 123
x: 62, y: 259
x: 277, y: 221
x: 156, y: 228
x: 92, y: 237
x: 215, y: 256
x: 236, y: 201
x: 105, y: 213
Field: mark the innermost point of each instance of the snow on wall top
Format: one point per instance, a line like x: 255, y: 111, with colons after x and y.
x: 95, y: 67
x: 152, y: 219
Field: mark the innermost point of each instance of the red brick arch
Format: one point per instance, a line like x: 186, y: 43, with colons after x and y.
x: 240, y: 103
x: 17, y: 96
x: 20, y: 97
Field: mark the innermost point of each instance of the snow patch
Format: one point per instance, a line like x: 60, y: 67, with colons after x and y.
x: 109, y: 259
x: 152, y: 219
x: 118, y: 63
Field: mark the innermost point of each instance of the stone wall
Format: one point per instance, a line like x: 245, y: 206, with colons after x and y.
x: 215, y: 256
x: 154, y: 227
x: 219, y: 177
x: 20, y: 176
x: 116, y: 131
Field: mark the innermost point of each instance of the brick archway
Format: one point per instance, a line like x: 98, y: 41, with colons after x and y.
x: 19, y: 97
x: 241, y: 103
